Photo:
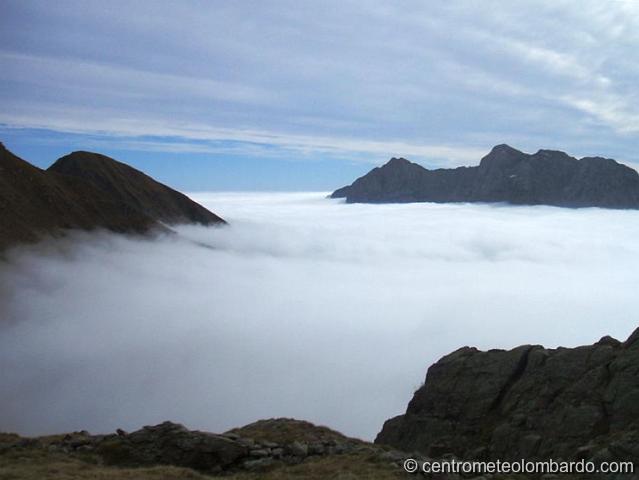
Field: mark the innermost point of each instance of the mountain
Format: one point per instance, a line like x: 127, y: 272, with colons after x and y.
x: 128, y: 185
x: 547, y: 177
x: 86, y: 191
x: 529, y: 402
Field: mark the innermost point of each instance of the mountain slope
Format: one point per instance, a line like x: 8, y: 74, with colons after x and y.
x: 34, y: 202
x: 126, y: 184
x: 547, y: 177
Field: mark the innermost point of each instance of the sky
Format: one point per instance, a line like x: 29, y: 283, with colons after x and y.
x: 290, y: 95
x: 306, y: 307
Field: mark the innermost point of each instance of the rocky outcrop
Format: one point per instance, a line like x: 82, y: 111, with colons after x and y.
x: 508, y: 175
x: 86, y: 191
x: 173, y: 444
x: 529, y: 402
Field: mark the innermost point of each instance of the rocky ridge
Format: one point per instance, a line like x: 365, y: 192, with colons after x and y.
x: 529, y: 402
x: 508, y: 175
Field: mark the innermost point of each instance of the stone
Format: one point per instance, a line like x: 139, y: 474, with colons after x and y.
x: 529, y: 402
x: 259, y: 464
x: 172, y: 444
x: 316, y: 448
x: 261, y: 452
x: 297, y: 449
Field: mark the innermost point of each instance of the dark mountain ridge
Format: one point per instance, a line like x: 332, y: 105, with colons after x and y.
x: 548, y: 177
x: 86, y: 191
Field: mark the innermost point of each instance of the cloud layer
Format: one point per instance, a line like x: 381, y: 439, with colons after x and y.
x: 304, y: 307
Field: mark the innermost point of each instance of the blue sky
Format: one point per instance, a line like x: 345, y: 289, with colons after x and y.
x: 291, y: 95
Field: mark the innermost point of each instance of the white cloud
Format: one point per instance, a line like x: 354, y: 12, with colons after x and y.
x: 305, y: 307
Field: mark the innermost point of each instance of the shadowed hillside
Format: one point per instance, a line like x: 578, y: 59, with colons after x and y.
x: 86, y: 191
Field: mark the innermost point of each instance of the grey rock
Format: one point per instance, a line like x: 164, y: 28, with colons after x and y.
x: 247, y: 442
x: 259, y: 464
x: 297, y: 449
x: 528, y: 402
x: 172, y: 444
x: 316, y: 448
x: 261, y: 452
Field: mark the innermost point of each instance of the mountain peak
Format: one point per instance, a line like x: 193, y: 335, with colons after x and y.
x: 84, y: 160
x: 134, y: 188
x: 504, y: 148
x: 84, y: 191
x: 502, y: 156
x: 398, y: 162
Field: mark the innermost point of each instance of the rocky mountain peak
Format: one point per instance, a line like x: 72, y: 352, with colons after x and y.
x: 398, y: 162
x: 505, y: 175
x: 502, y: 156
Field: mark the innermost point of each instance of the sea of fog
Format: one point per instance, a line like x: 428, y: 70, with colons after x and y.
x: 303, y: 307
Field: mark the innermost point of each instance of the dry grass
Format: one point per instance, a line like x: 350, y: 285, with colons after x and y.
x: 40, y: 464
x: 23, y: 459
x: 339, y: 467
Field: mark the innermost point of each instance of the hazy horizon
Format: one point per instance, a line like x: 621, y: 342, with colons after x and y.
x: 303, y: 307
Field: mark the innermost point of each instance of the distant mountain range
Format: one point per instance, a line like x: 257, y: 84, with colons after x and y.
x: 85, y: 190
x: 547, y: 177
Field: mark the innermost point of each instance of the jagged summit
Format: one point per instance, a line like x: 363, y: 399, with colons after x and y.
x: 504, y: 148
x: 397, y: 162
x: 86, y: 191
x: 505, y: 174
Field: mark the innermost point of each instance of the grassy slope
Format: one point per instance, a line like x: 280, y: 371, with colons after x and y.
x: 35, y: 462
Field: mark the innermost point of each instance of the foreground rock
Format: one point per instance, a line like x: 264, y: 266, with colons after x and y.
x: 547, y: 177
x: 273, y: 443
x: 86, y: 191
x: 529, y: 402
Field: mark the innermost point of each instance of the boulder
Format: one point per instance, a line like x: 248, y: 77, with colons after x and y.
x: 528, y: 402
x: 172, y: 444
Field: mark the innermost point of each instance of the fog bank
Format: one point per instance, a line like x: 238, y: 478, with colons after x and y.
x: 304, y: 307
